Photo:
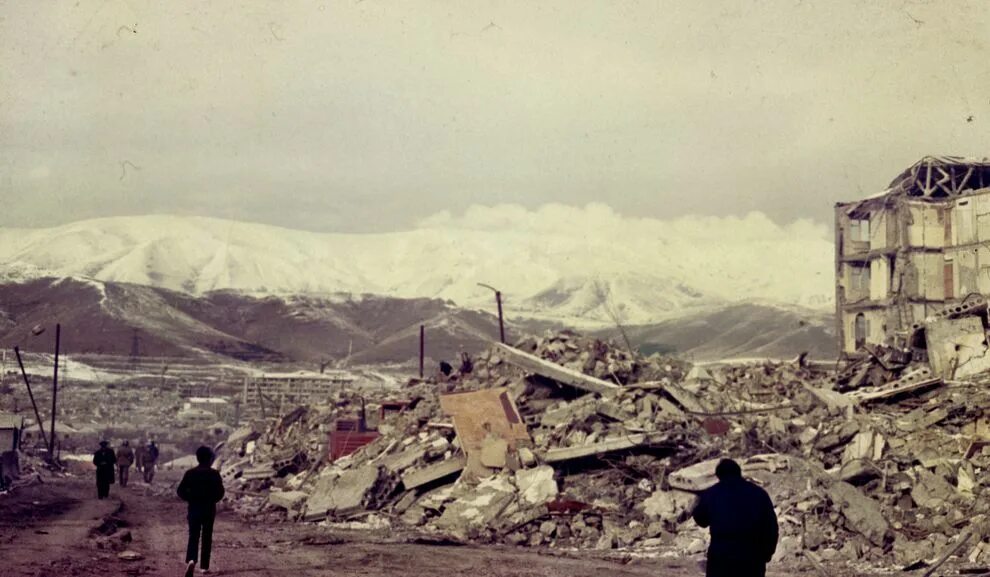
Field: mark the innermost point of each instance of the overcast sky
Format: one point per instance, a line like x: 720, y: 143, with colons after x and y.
x: 373, y: 115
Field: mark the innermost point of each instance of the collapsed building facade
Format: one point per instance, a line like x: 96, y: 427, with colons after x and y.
x: 917, y: 249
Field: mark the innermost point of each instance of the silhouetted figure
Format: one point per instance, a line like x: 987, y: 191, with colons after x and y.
x: 140, y: 456
x: 150, y: 461
x: 202, y: 488
x: 446, y: 368
x: 743, y: 524
x: 125, y: 458
x: 105, y: 462
x: 467, y: 365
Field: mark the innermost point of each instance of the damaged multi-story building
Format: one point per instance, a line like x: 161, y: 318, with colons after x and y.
x: 911, y: 251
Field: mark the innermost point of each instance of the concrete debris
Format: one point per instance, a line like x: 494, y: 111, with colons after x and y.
x: 289, y: 500
x: 536, y: 486
x: 571, y: 442
x: 861, y: 513
x: 671, y: 507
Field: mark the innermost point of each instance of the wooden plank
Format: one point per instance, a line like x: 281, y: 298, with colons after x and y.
x: 559, y: 373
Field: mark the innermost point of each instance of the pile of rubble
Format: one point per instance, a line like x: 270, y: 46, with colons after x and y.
x: 572, y: 442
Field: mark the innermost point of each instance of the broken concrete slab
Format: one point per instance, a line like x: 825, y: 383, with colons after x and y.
x: 913, y: 381
x: 601, y: 447
x: 401, y: 461
x: 957, y: 347
x: 701, y: 476
x: 289, y: 500
x: 341, y: 494
x: 862, y: 513
x: 669, y: 506
x: 478, y: 507
x: 931, y: 490
x: 834, y: 400
x: 867, y: 444
x: 537, y: 486
x: 561, y: 374
x: 435, y: 472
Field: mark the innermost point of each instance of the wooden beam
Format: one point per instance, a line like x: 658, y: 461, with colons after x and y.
x: 561, y: 374
x: 965, y: 179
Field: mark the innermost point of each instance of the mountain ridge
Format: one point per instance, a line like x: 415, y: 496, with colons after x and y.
x: 587, y: 273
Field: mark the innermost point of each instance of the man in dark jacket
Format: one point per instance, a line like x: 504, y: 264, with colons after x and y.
x: 125, y: 458
x: 105, y: 462
x: 202, y: 488
x: 743, y: 524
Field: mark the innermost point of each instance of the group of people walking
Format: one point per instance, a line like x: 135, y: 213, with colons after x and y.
x: 738, y: 513
x: 201, y: 488
x: 117, y: 464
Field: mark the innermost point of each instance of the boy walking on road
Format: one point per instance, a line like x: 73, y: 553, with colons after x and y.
x: 202, y: 488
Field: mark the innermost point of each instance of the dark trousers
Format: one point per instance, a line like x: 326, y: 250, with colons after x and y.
x: 200, y: 525
x: 125, y: 473
x: 102, y: 489
x: 149, y: 473
x: 734, y: 568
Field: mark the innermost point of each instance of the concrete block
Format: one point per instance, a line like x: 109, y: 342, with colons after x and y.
x: 862, y: 513
x: 671, y: 506
x: 537, y: 486
x: 290, y: 500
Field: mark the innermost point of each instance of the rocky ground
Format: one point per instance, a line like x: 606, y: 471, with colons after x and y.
x: 60, y: 529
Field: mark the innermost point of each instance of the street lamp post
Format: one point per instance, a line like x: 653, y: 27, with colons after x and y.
x: 498, y: 302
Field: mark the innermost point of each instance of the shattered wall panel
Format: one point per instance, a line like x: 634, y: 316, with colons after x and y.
x: 964, y: 222
x: 965, y: 269
x: 934, y: 276
x: 983, y: 270
x: 878, y: 230
x: 879, y: 278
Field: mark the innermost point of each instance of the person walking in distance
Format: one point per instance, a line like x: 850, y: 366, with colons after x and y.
x: 125, y: 458
x: 202, y: 488
x: 140, y: 456
x: 742, y: 522
x: 150, y: 460
x: 105, y: 462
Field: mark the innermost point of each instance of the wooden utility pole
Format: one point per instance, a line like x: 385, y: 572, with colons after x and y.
x: 501, y: 323
x: 422, y: 348
x: 498, y: 303
x: 51, y: 438
x: 27, y: 383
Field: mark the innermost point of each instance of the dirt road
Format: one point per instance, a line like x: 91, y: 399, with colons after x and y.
x: 60, y: 529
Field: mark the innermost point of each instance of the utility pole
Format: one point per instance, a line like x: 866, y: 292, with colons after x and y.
x: 498, y: 302
x: 51, y: 439
x: 422, y: 348
x: 27, y: 383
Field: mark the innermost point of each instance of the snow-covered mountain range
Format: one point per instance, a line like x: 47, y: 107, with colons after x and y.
x: 586, y: 266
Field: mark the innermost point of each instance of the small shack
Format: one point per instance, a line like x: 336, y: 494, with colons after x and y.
x: 10, y: 439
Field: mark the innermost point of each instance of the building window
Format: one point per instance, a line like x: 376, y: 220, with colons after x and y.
x: 859, y: 230
x: 861, y: 328
x: 859, y: 278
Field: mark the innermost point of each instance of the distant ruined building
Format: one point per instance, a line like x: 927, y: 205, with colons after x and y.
x: 908, y: 253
